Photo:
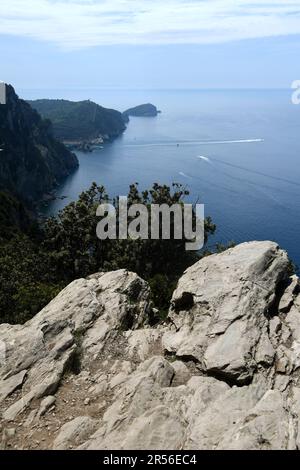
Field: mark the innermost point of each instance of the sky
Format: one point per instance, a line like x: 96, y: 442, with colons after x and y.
x: 149, y: 44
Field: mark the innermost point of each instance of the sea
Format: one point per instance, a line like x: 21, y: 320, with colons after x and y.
x: 237, y: 151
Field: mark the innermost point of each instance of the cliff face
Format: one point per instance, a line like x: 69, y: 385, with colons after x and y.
x: 31, y: 160
x: 82, y: 120
x: 221, y: 373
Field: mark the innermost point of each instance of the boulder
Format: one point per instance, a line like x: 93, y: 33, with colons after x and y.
x: 74, y: 432
x: 80, y: 319
x: 221, y: 310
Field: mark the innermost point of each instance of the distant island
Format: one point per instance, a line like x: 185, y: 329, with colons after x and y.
x: 81, y: 125
x: 143, y: 110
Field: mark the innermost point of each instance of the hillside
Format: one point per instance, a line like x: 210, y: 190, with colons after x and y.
x: 83, y: 120
x: 89, y: 372
x: 32, y: 161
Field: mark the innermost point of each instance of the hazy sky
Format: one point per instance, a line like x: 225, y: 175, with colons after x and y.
x: 149, y: 43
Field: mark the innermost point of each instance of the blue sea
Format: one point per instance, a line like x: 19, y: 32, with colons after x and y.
x: 237, y: 151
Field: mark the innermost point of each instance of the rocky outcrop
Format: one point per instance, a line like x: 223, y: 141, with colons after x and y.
x: 226, y: 300
x: 31, y: 161
x: 143, y: 110
x: 222, y: 372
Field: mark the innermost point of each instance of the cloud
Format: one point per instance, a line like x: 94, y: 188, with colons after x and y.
x: 75, y: 24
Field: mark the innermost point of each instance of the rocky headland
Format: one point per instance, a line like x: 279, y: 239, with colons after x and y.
x: 81, y: 123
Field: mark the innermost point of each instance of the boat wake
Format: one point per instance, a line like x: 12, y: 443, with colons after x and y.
x: 197, y: 142
x: 183, y: 174
x: 206, y: 159
x: 243, y: 141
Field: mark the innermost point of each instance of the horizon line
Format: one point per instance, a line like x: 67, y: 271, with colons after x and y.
x: 154, y: 89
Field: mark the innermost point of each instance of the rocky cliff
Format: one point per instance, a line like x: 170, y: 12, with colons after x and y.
x: 31, y: 160
x: 88, y: 371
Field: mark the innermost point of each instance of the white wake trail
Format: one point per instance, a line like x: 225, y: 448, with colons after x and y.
x: 197, y: 142
x: 183, y: 174
x: 206, y: 159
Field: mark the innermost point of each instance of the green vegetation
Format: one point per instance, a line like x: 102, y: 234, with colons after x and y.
x: 76, y: 251
x: 34, y: 267
x: 13, y: 215
x: 82, y: 120
x: 26, y: 285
